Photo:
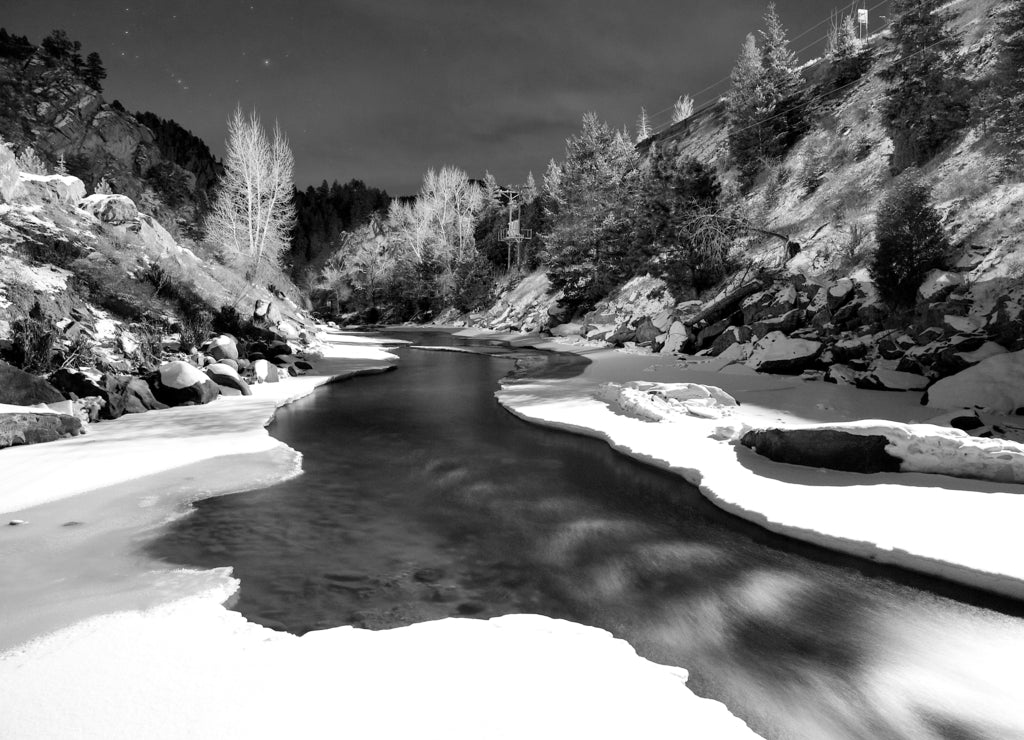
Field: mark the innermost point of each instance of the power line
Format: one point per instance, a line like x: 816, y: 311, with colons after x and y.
x: 720, y: 82
x: 816, y: 98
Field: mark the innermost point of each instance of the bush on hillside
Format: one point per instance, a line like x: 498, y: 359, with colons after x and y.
x: 910, y: 240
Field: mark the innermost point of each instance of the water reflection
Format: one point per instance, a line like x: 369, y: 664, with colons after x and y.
x: 423, y: 499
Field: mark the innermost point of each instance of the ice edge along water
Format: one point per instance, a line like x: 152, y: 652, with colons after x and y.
x: 193, y: 668
x: 966, y: 531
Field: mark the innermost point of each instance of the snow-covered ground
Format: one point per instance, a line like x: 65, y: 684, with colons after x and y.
x: 963, y: 530
x: 100, y: 642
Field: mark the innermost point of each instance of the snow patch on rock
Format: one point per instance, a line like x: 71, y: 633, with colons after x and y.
x: 665, y: 401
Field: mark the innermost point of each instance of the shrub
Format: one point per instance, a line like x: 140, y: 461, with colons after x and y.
x: 30, y: 162
x: 33, y: 338
x: 910, y: 240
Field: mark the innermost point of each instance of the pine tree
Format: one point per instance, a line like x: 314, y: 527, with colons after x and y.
x: 94, y: 72
x: 910, y: 239
x: 765, y: 105
x: 103, y: 187
x: 926, y: 103
x: 530, y: 191
x: 492, y: 192
x: 62, y: 167
x: 682, y: 109
x: 746, y: 105
x: 590, y: 199
x: 643, y: 126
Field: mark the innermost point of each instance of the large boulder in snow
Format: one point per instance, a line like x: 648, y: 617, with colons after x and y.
x: 777, y: 353
x: 874, y: 446
x: 178, y: 383
x: 883, y: 378
x: 664, y: 401
x: 823, y: 448
x: 264, y: 372
x: 223, y: 347
x: 225, y: 376
x: 58, y: 189
x: 996, y: 384
x: 28, y: 427
x: 938, y: 284
x: 115, y: 210
x: 19, y: 388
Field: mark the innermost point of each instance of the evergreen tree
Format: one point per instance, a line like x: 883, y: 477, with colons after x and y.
x: 926, y: 103
x: 765, y: 106
x: 746, y: 105
x: 103, y: 187
x: 1008, y: 83
x: 62, y: 167
x: 680, y: 221
x: 58, y: 45
x: 530, y: 191
x: 910, y: 239
x: 94, y: 73
x: 492, y: 191
x: 591, y: 196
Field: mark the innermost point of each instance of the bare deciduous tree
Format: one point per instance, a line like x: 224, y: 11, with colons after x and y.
x: 254, y: 213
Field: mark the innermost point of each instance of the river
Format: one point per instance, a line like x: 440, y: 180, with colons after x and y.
x: 423, y: 499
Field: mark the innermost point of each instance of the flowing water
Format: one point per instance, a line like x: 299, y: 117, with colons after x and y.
x: 424, y: 499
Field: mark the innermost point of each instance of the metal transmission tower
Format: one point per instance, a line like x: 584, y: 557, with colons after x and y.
x: 514, y: 235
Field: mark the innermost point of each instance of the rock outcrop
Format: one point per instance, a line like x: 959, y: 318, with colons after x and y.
x: 19, y: 388
x: 26, y: 427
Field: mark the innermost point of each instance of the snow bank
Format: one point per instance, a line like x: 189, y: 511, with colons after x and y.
x: 194, y: 669
x: 963, y: 530
x: 138, y: 445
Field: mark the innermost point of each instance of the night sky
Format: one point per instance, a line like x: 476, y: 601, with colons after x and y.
x: 381, y: 90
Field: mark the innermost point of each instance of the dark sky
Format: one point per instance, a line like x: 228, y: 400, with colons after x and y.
x: 383, y: 89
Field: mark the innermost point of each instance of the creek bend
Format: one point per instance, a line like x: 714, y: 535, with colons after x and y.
x: 423, y: 499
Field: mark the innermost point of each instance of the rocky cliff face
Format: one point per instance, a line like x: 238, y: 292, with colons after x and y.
x: 45, y: 104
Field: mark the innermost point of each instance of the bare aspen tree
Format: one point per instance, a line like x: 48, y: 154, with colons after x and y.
x: 254, y: 213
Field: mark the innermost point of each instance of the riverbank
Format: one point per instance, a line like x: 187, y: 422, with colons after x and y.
x: 962, y: 530
x: 101, y: 642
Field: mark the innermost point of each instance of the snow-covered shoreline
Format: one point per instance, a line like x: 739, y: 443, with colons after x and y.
x: 161, y: 656
x: 966, y: 531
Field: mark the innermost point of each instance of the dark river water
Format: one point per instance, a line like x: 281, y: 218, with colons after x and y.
x: 423, y: 499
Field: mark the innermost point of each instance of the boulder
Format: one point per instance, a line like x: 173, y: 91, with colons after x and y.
x: 824, y: 448
x: 786, y: 323
x: 851, y: 349
x: 732, y: 335
x: 132, y: 395
x: 938, y: 284
x: 839, y: 293
x: 265, y: 314
x: 678, y: 336
x: 58, y: 189
x: 995, y: 384
x: 841, y: 375
x: 265, y: 372
x: 115, y: 210
x: 777, y: 353
x: 19, y: 388
x: 224, y: 375
x: 567, y: 330
x: 646, y: 331
x: 178, y: 383
x: 279, y: 348
x: 76, y: 384
x: 882, y: 378
x: 26, y: 428
x: 223, y: 347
